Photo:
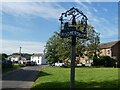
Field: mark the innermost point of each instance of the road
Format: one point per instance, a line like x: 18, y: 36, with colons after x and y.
x: 22, y: 78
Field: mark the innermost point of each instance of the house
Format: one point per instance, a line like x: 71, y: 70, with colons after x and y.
x: 80, y: 61
x: 111, y: 49
x: 16, y: 58
x: 39, y: 59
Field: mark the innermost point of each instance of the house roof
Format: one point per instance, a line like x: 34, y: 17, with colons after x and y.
x: 37, y: 54
x: 14, y: 56
x: 108, y: 44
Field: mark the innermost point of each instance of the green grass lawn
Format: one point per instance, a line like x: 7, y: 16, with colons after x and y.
x: 56, y: 77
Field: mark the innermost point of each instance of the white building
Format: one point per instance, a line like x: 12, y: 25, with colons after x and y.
x: 39, y: 59
x: 16, y: 58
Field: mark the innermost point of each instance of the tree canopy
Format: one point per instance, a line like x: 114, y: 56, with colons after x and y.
x: 59, y: 49
x: 3, y: 56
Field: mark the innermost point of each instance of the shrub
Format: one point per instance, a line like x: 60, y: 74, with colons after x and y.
x: 6, y: 64
x: 22, y: 65
x: 106, y: 61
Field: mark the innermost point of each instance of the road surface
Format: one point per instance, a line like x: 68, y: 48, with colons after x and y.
x: 22, y: 78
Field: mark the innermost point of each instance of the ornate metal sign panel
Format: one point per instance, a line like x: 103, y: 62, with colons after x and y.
x: 68, y: 33
x: 69, y: 26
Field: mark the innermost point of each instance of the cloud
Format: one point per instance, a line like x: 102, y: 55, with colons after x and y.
x: 104, y: 27
x: 12, y: 46
x: 89, y: 1
x: 101, y: 24
x: 104, y: 9
x: 37, y: 0
x: 49, y: 10
x: 81, y: 4
x: 59, y: 1
x: 30, y: 9
x: 95, y: 10
x: 80, y: 1
x: 14, y: 29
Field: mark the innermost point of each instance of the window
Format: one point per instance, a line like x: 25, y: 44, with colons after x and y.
x: 38, y: 61
x: 108, y: 52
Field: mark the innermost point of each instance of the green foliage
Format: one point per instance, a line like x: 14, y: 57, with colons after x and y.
x: 106, y: 61
x: 22, y: 65
x: 92, y: 49
x: 3, y: 56
x: 6, y: 64
x: 59, y: 49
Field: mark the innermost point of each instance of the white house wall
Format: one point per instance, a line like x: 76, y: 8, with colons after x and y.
x: 37, y: 59
x: 15, y: 59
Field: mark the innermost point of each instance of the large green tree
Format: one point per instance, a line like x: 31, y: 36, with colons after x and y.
x: 59, y: 49
x: 3, y: 56
x: 92, y: 49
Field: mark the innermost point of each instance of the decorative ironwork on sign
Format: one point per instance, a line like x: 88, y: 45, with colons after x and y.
x: 69, y: 26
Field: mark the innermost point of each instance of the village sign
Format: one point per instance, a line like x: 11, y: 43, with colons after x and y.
x: 70, y: 28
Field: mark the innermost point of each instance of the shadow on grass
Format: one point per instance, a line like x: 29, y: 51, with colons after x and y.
x: 41, y: 73
x: 106, y: 85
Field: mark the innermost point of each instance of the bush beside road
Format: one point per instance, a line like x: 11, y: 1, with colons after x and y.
x: 12, y: 67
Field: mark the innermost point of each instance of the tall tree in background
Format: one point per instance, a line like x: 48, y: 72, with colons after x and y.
x: 89, y: 47
x: 92, y: 49
x: 3, y: 56
x: 58, y: 49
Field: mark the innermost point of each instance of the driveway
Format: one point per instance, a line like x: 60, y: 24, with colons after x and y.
x: 22, y: 78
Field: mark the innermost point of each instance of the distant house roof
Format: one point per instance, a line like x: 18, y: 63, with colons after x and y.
x: 108, y: 44
x: 15, y: 56
x: 37, y: 54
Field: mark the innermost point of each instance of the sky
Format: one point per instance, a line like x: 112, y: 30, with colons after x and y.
x: 30, y: 24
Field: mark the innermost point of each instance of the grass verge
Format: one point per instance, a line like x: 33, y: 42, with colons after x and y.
x: 85, y: 78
